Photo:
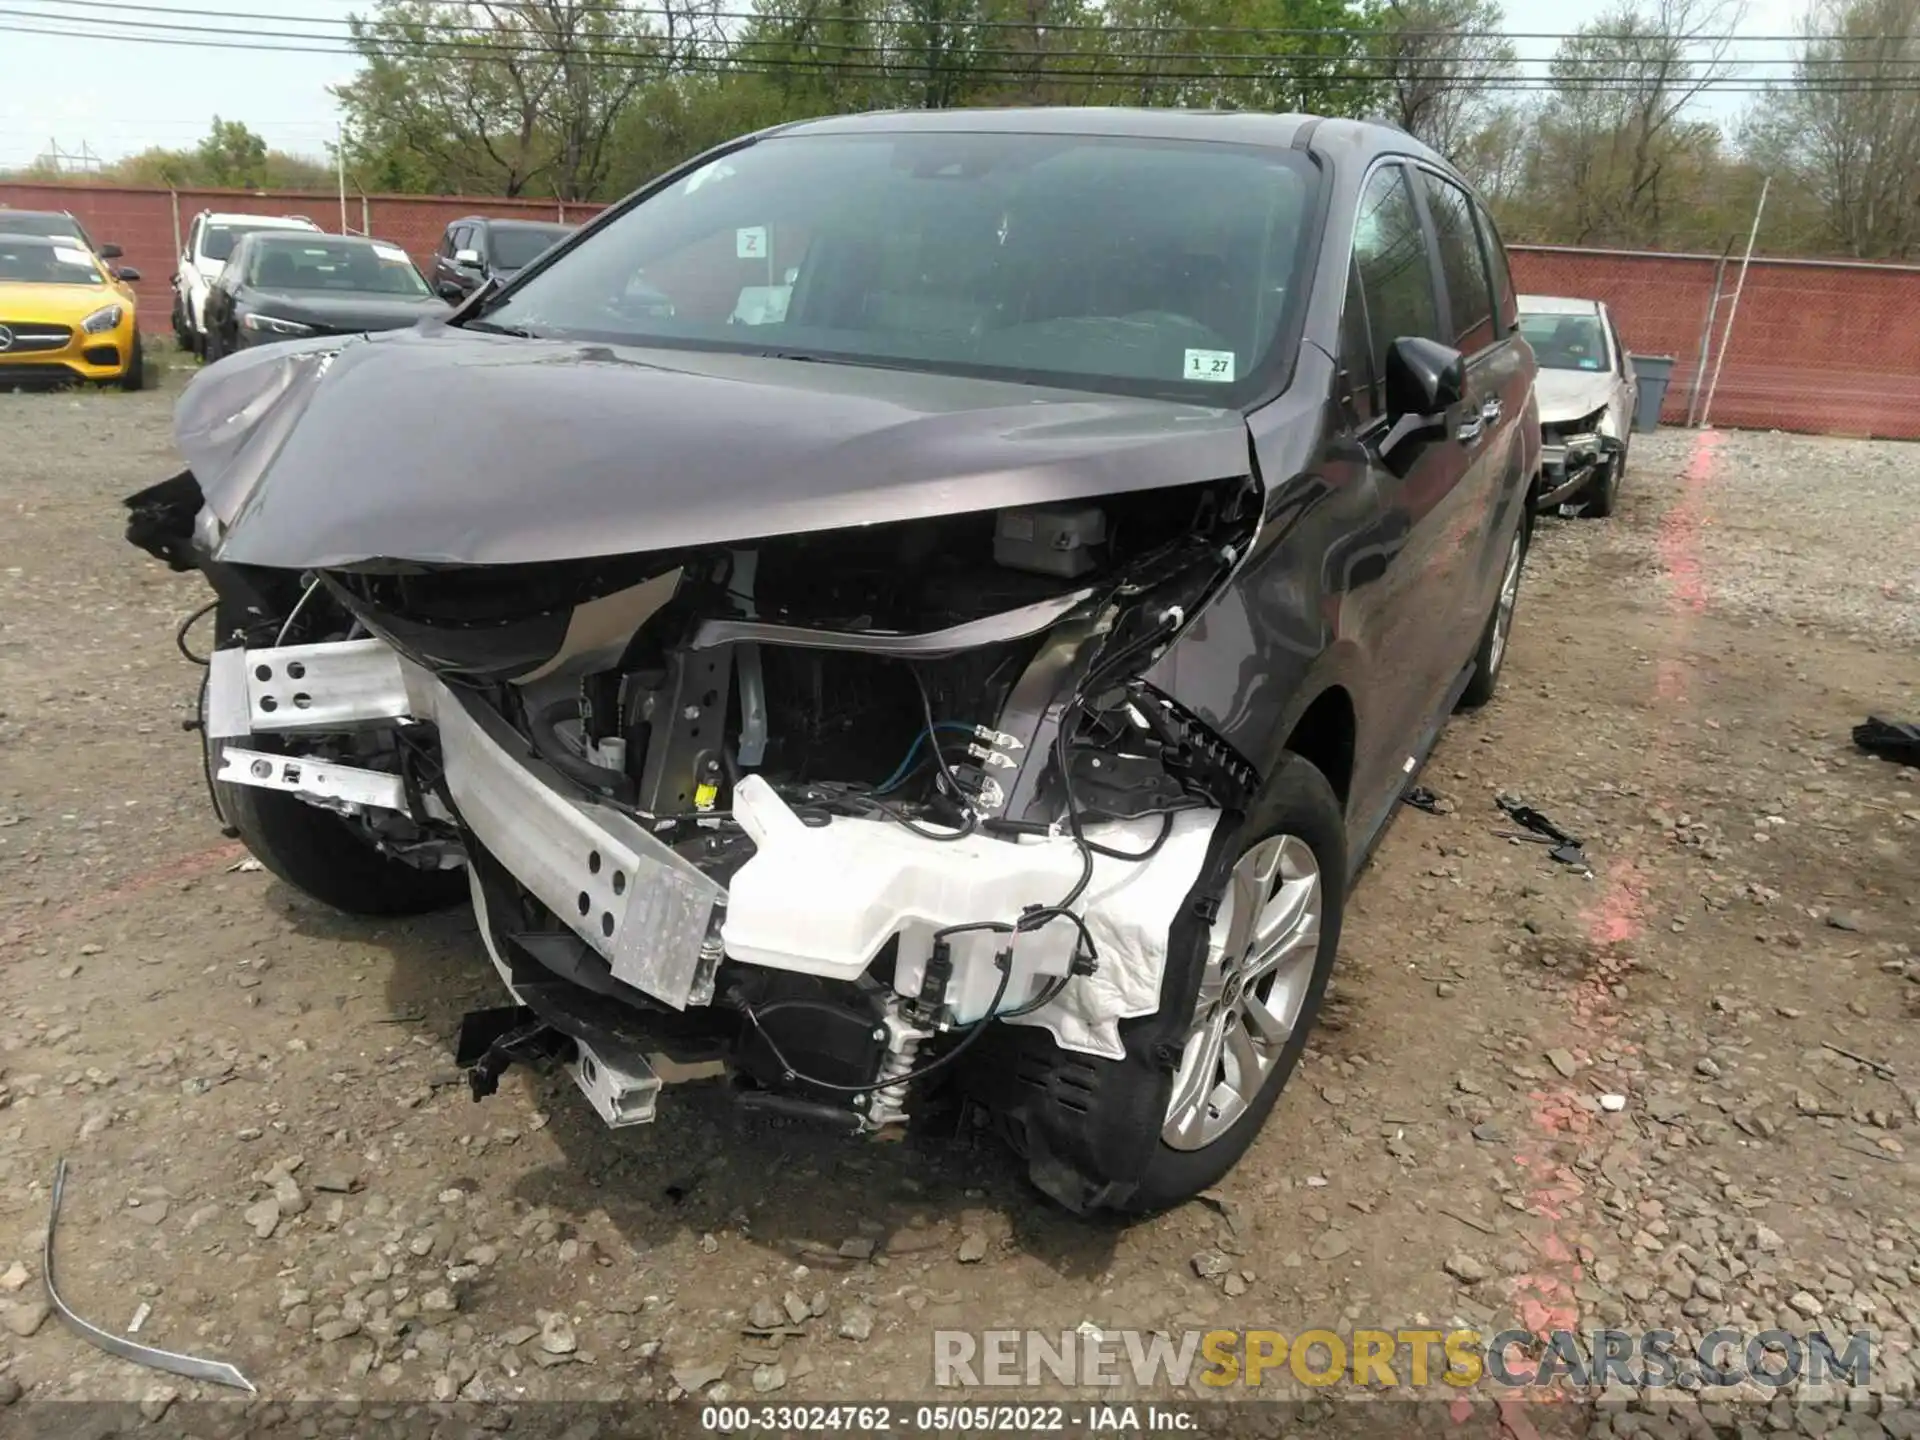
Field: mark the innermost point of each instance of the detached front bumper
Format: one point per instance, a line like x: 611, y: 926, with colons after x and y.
x: 651, y: 929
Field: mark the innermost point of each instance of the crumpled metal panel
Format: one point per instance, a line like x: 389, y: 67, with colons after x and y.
x: 318, y: 457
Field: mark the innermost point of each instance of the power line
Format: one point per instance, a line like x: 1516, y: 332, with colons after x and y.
x: 907, y: 63
x: 1071, y: 27
x: 735, y: 43
x: 721, y: 66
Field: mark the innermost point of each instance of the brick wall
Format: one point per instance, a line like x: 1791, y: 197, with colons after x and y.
x: 141, y: 222
x: 1822, y: 347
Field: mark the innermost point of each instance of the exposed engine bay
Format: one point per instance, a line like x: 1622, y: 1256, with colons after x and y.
x: 814, y: 808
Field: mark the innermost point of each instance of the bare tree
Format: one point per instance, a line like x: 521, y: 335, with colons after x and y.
x: 1846, y: 130
x: 1613, y: 139
x: 1442, y: 59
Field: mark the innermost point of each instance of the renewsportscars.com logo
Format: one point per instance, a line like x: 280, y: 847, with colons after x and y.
x: 1459, y: 1359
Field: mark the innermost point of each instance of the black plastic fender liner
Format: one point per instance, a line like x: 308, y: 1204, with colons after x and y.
x: 161, y: 519
x: 1078, y: 1120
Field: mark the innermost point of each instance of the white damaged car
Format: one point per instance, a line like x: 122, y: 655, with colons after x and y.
x: 1586, y: 388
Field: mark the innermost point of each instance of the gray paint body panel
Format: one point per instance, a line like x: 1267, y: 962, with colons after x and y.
x: 568, y: 450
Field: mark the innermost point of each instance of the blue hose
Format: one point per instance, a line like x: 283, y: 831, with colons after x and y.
x: 906, y: 765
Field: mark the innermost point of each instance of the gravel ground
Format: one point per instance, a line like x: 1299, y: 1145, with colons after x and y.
x: 273, y: 1162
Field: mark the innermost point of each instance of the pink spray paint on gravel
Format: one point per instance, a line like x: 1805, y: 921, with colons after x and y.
x: 1543, y: 1297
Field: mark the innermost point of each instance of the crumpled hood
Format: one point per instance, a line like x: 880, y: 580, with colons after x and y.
x: 445, y: 445
x: 1568, y: 394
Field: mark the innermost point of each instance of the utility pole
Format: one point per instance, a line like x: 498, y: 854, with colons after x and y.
x: 1733, y: 309
x: 340, y: 167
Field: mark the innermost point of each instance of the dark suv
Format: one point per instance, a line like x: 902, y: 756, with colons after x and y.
x: 478, y: 249
x: 912, y: 607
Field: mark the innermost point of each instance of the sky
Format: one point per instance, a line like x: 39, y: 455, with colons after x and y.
x: 116, y: 97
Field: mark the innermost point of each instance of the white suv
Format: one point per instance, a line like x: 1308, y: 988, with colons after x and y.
x: 209, y: 241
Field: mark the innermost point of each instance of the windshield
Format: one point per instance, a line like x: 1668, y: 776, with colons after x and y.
x: 1098, y: 263
x: 65, y: 227
x: 1566, y: 342
x: 218, y: 242
x: 517, y: 246
x: 47, y: 262
x: 309, y: 263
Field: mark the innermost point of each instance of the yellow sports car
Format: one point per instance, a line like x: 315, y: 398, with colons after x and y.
x: 64, y: 316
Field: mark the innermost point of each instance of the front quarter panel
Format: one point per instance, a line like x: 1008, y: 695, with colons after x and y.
x: 1281, y: 633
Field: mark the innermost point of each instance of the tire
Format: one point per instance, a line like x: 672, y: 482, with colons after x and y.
x: 320, y: 853
x: 182, y: 327
x: 1491, y: 654
x: 210, y: 347
x: 1290, y: 859
x: 1604, y: 489
x: 134, y: 377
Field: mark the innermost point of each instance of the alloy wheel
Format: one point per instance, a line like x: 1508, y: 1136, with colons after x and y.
x: 1503, y: 611
x: 1258, y: 969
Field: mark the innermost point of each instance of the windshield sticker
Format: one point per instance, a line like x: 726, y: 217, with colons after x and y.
x: 1211, y: 365
x: 762, y: 305
x: 1589, y: 364
x: 392, y: 252
x: 750, y: 242
x: 71, y: 257
x: 716, y: 170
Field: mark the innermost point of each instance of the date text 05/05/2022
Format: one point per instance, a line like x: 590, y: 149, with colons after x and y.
x: 881, y: 1419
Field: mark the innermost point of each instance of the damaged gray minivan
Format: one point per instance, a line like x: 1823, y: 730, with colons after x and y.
x: 959, y: 650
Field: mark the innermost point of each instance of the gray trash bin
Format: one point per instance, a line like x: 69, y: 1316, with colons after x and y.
x: 1653, y: 371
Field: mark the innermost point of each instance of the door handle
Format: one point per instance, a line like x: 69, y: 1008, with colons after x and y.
x: 1469, y: 430
x: 1490, y: 410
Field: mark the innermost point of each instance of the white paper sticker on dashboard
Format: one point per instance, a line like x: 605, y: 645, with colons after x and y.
x: 68, y: 256
x: 750, y: 242
x: 392, y: 252
x: 1215, y: 365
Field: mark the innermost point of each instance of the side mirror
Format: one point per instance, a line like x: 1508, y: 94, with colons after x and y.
x: 127, y: 273
x: 1423, y: 377
x: 467, y: 259
x: 1424, y: 380
x: 111, y: 252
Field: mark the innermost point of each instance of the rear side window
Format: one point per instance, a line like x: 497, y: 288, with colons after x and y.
x: 1392, y: 280
x: 1506, y: 302
x: 1469, y: 291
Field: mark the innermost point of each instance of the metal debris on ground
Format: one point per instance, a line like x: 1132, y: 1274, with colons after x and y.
x: 1879, y: 1067
x: 191, y: 1366
x: 1529, y: 818
x: 1566, y: 848
x: 1421, y: 798
x: 1890, y: 739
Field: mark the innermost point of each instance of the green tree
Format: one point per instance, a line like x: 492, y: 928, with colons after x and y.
x: 511, y: 98
x: 231, y: 156
x: 1614, y: 147
x: 1443, y: 60
x: 1842, y: 138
